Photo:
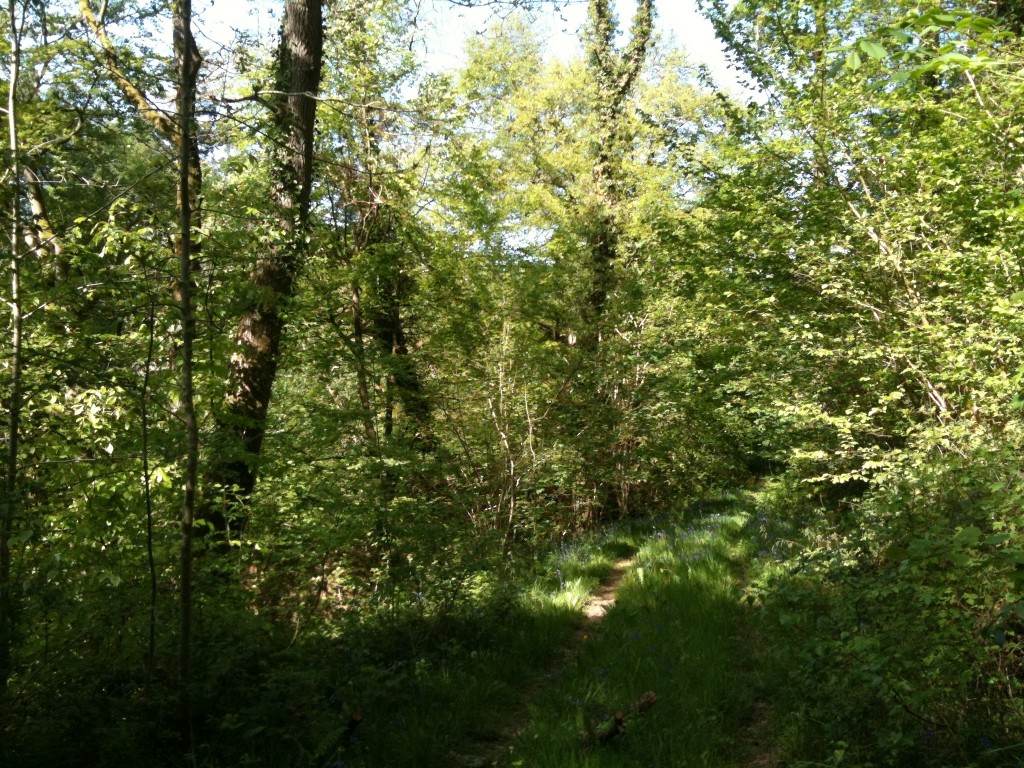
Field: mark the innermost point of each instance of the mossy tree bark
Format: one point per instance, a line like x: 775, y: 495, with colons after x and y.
x: 254, y: 362
x: 187, y: 61
x: 614, y: 74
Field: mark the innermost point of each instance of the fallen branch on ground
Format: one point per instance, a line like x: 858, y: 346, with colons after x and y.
x: 617, y: 726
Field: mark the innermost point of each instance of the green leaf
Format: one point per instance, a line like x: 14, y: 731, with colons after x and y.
x: 895, y: 79
x: 873, y: 49
x: 853, y: 60
x: 976, y: 24
x: 968, y: 536
x: 953, y: 57
x: 1012, y: 556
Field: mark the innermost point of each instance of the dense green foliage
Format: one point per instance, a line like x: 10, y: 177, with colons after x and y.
x: 890, y: 309
x: 529, y: 298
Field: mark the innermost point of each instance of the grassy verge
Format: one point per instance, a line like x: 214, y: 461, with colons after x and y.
x: 412, y: 682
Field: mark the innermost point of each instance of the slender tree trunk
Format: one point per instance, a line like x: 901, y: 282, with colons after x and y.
x: 389, y: 294
x: 147, y: 490
x: 362, y: 378
x: 253, y: 366
x: 41, y: 238
x: 188, y: 67
x: 404, y: 382
x: 12, y: 490
x: 181, y: 133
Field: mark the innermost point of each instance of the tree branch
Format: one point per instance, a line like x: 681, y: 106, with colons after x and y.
x: 150, y: 113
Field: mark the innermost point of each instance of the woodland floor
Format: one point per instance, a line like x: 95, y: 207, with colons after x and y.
x: 745, y: 738
x: 595, y: 609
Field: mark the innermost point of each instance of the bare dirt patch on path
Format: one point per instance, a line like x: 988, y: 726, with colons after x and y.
x: 602, y: 601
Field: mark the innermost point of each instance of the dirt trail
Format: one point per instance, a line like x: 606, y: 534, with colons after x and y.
x: 594, y: 610
x: 601, y: 601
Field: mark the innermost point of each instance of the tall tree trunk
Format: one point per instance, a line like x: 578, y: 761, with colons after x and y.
x: 390, y: 293
x: 389, y: 288
x: 12, y: 490
x: 187, y: 60
x: 253, y: 365
x: 362, y: 378
x: 614, y: 73
x: 147, y: 489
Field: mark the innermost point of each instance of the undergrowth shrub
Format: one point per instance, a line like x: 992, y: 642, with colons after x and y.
x: 894, y: 619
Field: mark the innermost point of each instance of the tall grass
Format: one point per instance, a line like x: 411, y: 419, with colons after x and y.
x: 678, y: 629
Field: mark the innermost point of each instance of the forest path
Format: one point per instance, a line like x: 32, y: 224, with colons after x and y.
x: 680, y: 634
x: 594, y: 611
x: 599, y: 603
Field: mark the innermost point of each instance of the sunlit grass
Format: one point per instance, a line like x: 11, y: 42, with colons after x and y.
x: 461, y: 698
x: 677, y: 630
x: 572, y: 595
